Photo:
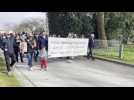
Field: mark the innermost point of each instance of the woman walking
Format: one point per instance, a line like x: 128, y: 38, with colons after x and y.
x: 43, y: 51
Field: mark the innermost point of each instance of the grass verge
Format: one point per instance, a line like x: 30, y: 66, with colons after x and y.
x: 5, y: 80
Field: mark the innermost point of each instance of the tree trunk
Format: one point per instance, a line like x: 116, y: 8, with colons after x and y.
x: 101, y: 28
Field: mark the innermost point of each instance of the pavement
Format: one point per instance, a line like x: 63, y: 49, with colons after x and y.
x: 76, y: 73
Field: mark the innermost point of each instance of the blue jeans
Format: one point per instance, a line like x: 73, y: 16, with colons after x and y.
x: 30, y: 58
x: 36, y: 54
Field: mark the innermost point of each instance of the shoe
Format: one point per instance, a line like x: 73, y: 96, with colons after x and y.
x: 30, y: 69
x: 45, y: 69
x: 13, y: 68
x: 9, y: 73
x: 88, y: 57
x: 93, y: 58
x: 42, y: 69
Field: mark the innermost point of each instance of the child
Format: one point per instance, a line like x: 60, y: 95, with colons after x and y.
x: 43, y: 59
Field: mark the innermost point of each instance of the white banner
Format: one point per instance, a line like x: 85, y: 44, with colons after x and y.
x: 64, y: 47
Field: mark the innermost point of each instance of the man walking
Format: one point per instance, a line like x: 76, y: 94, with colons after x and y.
x: 90, y: 46
x: 30, y: 50
x: 8, y: 47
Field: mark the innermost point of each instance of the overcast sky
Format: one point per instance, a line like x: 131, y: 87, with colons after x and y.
x: 17, y: 17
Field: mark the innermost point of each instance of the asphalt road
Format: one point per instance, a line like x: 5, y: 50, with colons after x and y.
x: 77, y: 73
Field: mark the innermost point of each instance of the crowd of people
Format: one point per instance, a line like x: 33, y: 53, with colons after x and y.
x: 34, y: 45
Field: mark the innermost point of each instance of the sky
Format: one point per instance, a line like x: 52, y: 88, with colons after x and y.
x: 16, y: 17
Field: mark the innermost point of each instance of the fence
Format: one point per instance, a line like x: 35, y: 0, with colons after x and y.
x: 108, y: 48
x: 114, y: 49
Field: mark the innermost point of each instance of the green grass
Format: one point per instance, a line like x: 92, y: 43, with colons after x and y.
x: 128, y: 54
x: 5, y: 80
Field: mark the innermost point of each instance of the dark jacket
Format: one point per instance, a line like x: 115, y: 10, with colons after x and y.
x: 47, y: 43
x: 8, y: 45
x: 30, y: 44
x: 0, y: 41
x: 42, y: 42
x: 91, y: 43
x: 17, y: 45
x: 36, y: 41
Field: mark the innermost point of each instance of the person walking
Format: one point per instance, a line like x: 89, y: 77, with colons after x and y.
x: 30, y: 50
x: 23, y: 49
x: 43, y: 51
x: 36, y: 52
x: 17, y: 47
x: 90, y: 46
x: 8, y: 45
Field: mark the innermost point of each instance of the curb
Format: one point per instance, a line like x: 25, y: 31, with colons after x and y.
x: 113, y: 61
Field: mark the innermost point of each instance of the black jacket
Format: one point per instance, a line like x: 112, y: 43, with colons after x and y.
x: 91, y: 43
x: 30, y: 44
x: 8, y: 45
x: 17, y: 45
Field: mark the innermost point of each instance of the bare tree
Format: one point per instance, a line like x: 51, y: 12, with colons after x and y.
x: 32, y: 25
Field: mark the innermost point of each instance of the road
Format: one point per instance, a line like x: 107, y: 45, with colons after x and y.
x: 77, y: 73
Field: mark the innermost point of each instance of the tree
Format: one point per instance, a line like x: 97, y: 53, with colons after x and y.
x: 101, y: 28
x: 31, y: 25
x: 56, y: 22
x: 87, y: 25
x: 119, y: 23
x: 65, y: 22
